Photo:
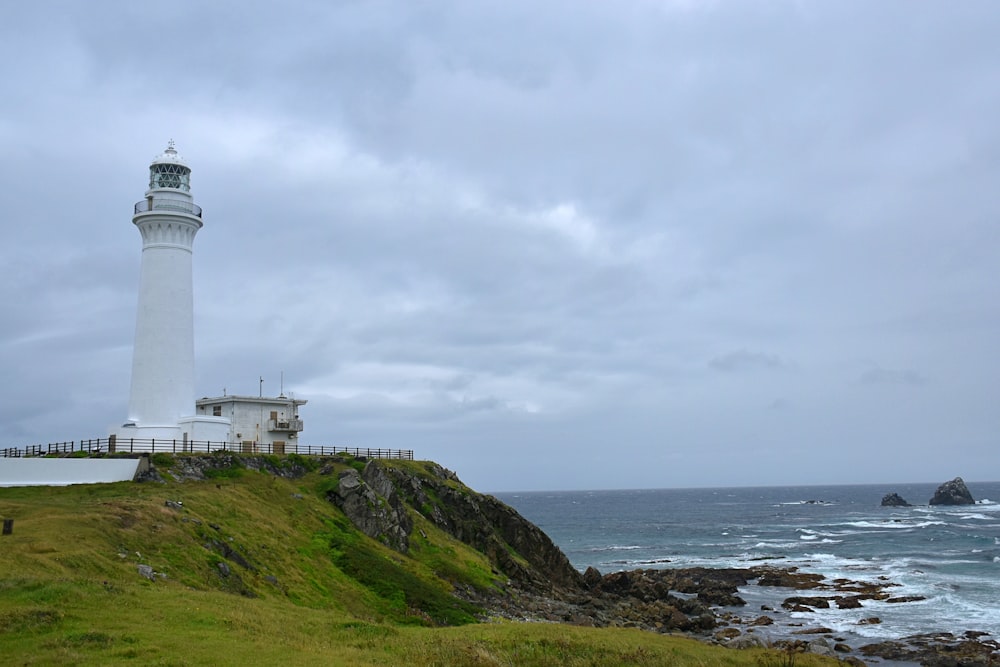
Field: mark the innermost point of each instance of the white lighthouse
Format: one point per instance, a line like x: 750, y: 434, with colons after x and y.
x: 162, y: 397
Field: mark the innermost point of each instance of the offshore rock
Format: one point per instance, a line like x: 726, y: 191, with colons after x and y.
x: 952, y: 493
x: 894, y: 500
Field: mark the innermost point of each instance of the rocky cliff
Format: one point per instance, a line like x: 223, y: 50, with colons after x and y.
x: 377, y: 498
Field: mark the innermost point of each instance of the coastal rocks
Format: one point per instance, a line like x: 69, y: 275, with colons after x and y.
x: 939, y: 649
x: 788, y: 578
x: 905, y: 598
x: 952, y: 493
x: 894, y: 500
x: 800, y: 603
x: 747, y: 641
x: 711, y: 587
x: 592, y: 577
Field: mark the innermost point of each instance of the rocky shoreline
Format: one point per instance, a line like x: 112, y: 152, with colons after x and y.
x: 543, y: 586
x: 705, y: 604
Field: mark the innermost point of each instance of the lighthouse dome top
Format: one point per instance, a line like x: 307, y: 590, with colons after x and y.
x: 170, y: 155
x: 168, y: 170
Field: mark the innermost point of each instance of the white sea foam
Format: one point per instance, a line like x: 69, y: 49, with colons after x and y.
x: 774, y: 544
x: 807, y: 502
x: 617, y: 547
x: 895, y: 524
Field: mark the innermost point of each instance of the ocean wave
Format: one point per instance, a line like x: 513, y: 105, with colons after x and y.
x: 807, y: 502
x: 816, y: 538
x: 894, y: 524
x: 775, y: 544
x: 616, y: 547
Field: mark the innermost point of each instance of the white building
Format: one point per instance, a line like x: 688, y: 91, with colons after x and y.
x: 259, y: 424
x: 161, y: 401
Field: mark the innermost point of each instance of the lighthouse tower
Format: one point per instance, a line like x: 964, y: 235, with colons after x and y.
x: 162, y: 397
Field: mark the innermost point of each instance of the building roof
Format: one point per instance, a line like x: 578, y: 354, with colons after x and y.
x: 250, y: 399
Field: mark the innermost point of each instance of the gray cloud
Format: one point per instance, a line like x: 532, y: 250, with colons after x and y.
x: 744, y: 360
x: 875, y: 376
x: 494, y: 231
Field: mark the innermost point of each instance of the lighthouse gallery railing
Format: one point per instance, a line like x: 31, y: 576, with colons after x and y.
x: 145, y: 206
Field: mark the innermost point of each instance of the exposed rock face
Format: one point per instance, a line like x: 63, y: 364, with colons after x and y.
x: 193, y: 468
x: 952, y: 493
x: 484, y: 523
x: 894, y: 500
x: 373, y: 505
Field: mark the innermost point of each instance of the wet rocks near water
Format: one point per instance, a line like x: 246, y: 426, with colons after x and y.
x: 894, y: 500
x: 953, y: 493
x: 800, y: 603
x: 971, y: 649
x: 687, y: 600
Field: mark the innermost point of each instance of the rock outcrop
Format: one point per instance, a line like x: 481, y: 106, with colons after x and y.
x: 894, y: 500
x: 953, y: 493
x: 971, y: 649
x: 513, y: 544
x: 374, y: 507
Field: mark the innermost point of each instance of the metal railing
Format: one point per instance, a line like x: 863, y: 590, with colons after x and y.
x: 144, y: 206
x: 115, y: 445
x: 284, y: 425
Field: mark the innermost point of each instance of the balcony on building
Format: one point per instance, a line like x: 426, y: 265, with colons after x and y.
x: 282, y: 424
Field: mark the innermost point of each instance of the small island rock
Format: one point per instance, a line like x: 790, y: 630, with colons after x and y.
x: 894, y: 500
x: 952, y: 493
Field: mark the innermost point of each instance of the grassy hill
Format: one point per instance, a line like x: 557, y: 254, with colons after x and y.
x: 251, y: 567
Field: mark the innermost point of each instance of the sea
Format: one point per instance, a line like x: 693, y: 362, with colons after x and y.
x: 950, y: 556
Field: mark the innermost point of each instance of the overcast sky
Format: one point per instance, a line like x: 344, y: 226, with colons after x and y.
x: 549, y: 245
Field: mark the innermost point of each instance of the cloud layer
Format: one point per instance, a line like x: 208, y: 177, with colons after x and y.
x: 639, y: 244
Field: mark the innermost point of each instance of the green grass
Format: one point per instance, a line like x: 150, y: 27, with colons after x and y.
x: 304, y: 587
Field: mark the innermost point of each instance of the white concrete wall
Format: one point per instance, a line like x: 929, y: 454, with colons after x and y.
x: 199, y: 427
x: 61, y: 472
x: 247, y: 417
